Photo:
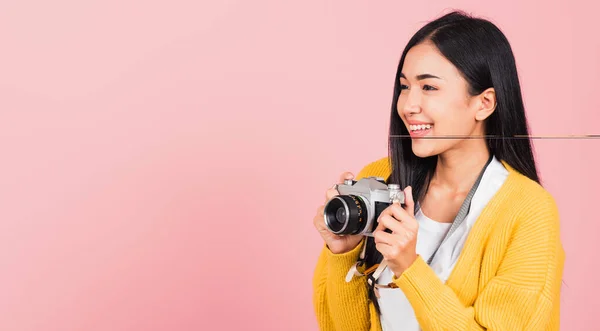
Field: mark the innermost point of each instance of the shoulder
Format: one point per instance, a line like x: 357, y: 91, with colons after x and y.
x: 535, y: 209
x: 528, y: 192
x: 378, y: 168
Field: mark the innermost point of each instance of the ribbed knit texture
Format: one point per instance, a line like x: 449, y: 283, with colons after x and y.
x: 508, y: 276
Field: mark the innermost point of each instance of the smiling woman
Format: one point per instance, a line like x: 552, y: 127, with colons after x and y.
x: 476, y: 244
x: 440, y: 96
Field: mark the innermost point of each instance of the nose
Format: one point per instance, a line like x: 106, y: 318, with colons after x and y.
x: 412, y: 102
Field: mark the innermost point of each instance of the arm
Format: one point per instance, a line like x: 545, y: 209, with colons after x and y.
x: 524, y: 294
x: 340, y: 305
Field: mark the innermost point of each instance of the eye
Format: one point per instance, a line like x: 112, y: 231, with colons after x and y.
x: 429, y: 88
x: 403, y: 87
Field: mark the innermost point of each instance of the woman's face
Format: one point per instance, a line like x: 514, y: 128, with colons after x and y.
x: 434, y: 101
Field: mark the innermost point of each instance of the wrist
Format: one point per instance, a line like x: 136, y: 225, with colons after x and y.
x: 337, y: 251
x: 343, y: 250
x: 404, y: 266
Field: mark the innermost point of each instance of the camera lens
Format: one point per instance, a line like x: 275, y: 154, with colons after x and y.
x: 340, y: 215
x: 346, y: 214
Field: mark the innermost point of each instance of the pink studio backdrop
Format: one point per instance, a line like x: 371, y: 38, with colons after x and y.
x: 162, y: 161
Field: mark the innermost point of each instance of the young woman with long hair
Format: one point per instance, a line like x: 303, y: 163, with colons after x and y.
x: 476, y: 243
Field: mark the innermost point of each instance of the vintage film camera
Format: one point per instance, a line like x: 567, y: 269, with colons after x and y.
x: 358, y: 206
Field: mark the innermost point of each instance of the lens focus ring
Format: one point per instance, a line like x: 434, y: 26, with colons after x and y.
x: 345, y: 214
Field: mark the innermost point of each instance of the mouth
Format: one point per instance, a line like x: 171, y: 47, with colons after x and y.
x: 419, y: 130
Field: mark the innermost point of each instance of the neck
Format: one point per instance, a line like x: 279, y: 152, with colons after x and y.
x: 458, y: 169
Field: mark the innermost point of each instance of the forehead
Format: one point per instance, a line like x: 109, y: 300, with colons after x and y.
x: 426, y: 58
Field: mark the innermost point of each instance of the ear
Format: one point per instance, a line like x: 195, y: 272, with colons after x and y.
x: 487, y: 104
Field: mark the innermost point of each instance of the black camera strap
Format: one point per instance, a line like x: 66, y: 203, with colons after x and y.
x: 458, y: 220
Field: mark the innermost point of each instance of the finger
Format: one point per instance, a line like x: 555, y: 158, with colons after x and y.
x: 319, y: 222
x: 389, y: 222
x: 344, y: 176
x: 385, y: 213
x: 321, y: 210
x: 380, y: 226
x: 398, y: 212
x: 403, y: 216
x: 409, y: 202
x: 385, y: 250
x: 330, y: 193
x: 385, y: 238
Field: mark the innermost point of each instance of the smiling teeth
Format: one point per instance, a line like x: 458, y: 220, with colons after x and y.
x: 420, y: 127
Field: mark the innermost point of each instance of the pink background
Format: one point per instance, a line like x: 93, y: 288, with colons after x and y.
x: 162, y: 161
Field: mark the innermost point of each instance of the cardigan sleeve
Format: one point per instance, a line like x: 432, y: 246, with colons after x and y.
x: 523, y: 295
x: 340, y: 305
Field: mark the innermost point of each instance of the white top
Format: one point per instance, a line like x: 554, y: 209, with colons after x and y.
x: 396, y: 311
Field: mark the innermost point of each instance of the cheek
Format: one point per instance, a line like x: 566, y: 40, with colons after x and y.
x: 400, y: 107
x: 449, y: 116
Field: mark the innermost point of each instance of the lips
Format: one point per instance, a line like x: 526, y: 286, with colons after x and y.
x: 420, y: 133
x: 419, y: 129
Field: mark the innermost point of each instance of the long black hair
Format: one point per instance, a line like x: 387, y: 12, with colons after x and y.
x: 482, y: 54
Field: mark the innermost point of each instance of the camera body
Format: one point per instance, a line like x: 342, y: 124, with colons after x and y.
x: 358, y: 206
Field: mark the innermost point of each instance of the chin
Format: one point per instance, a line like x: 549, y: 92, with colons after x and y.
x: 421, y: 153
x: 423, y: 149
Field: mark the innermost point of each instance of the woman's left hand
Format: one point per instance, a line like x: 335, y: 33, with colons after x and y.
x: 399, y: 247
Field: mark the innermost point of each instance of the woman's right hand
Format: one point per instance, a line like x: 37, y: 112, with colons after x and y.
x: 336, y: 244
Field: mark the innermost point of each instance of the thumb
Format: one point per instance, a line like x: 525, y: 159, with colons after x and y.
x: 346, y: 175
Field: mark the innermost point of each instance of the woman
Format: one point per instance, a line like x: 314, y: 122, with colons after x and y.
x: 500, y: 266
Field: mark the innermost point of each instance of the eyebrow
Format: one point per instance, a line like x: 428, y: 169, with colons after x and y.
x: 421, y: 77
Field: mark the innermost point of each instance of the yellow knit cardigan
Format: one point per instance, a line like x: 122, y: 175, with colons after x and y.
x: 508, y: 276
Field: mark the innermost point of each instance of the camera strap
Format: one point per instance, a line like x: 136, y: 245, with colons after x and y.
x: 458, y: 220
x: 354, y: 269
x: 462, y: 212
